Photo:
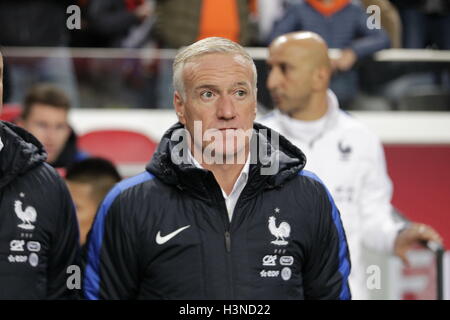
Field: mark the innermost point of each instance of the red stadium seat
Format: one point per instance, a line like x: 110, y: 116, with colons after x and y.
x: 10, y: 112
x: 129, y: 150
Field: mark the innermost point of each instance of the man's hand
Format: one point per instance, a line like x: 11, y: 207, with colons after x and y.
x: 412, y: 235
x: 345, y: 62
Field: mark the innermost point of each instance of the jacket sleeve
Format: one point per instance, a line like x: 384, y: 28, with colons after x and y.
x: 327, y: 265
x: 368, y: 41
x: 65, y: 246
x: 378, y: 225
x: 112, y: 258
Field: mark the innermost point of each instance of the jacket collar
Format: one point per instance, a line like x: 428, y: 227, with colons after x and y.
x: 311, y: 131
x: 200, y: 183
x: 20, y: 153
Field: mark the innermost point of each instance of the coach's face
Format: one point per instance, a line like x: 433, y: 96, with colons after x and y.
x: 220, y: 94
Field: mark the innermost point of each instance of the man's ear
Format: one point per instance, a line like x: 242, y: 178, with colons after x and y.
x: 321, y: 78
x: 178, y: 104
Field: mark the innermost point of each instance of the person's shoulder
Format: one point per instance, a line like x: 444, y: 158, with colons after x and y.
x: 308, y: 185
x: 297, y: 7
x: 296, y: 4
x: 355, y: 5
x: 354, y: 8
x: 42, y: 173
x: 136, y: 184
x: 134, y: 191
x: 355, y: 127
x: 131, y: 200
x: 310, y: 179
x: 311, y: 194
x: 269, y: 119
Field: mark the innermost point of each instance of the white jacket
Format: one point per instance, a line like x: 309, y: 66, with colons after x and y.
x: 350, y: 161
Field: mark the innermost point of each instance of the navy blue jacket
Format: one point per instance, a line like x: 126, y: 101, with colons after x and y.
x: 165, y: 234
x: 38, y: 225
x: 346, y: 28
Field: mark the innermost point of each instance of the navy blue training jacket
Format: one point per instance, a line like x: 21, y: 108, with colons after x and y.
x: 165, y: 234
x: 39, y: 238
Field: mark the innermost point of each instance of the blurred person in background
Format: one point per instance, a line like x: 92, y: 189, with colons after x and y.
x: 38, y: 229
x: 89, y: 181
x: 129, y: 24
x: 343, y: 25
x: 126, y: 23
x: 38, y: 23
x: 343, y: 152
x: 426, y: 23
x: 181, y: 22
x: 45, y: 115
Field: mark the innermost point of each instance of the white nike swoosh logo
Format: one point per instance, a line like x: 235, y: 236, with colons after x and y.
x: 162, y: 240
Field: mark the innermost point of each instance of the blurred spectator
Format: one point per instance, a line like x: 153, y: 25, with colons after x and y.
x: 425, y: 23
x: 126, y: 23
x: 38, y: 23
x: 45, y: 115
x: 89, y: 181
x: 86, y: 36
x: 343, y: 25
x: 182, y: 22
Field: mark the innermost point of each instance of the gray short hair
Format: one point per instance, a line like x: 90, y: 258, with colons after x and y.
x: 202, y: 47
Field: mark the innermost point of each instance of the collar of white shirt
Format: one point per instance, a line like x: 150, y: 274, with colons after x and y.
x: 239, y: 185
x: 308, y: 131
x: 1, y: 144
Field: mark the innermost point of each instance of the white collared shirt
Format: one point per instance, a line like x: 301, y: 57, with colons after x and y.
x: 239, y: 185
x: 1, y: 144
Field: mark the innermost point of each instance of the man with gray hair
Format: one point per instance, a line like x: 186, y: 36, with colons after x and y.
x: 205, y: 221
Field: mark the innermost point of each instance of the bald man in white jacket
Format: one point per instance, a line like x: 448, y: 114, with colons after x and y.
x: 339, y: 149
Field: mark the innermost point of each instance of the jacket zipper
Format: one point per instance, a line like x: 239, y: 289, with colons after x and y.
x: 228, y: 241
x: 227, y: 234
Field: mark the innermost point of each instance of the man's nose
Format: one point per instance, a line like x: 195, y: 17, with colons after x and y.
x: 226, y: 108
x: 273, y: 79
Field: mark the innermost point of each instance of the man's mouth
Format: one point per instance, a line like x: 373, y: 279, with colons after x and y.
x: 225, y: 129
x: 276, y: 98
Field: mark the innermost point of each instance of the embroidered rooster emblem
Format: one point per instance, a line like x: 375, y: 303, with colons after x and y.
x: 281, y: 232
x: 28, y: 216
